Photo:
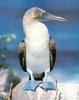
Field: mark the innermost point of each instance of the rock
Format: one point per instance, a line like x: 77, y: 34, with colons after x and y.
x: 64, y: 91
x: 39, y: 94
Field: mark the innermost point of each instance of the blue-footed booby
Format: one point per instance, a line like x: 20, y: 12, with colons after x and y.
x: 37, y: 52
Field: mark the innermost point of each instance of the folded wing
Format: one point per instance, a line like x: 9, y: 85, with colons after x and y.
x: 52, y: 55
x: 22, y: 55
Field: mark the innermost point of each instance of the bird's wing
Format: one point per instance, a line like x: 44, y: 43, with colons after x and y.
x: 22, y: 55
x: 52, y: 49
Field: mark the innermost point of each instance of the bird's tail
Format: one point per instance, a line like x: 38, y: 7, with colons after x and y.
x: 39, y: 77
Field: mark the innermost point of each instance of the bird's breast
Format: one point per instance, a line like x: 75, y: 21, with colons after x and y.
x: 37, y: 46
x: 37, y: 37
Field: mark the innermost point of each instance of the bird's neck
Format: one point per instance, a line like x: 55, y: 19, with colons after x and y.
x: 27, y: 27
x: 36, y: 29
x: 28, y: 23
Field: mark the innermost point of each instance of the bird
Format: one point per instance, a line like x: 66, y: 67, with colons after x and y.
x: 37, y: 51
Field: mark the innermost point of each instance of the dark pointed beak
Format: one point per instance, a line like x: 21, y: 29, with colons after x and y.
x: 47, y: 16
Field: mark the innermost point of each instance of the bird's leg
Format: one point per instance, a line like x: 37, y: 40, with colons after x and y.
x: 46, y: 72
x: 30, y: 74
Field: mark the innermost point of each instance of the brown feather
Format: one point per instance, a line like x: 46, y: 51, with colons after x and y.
x: 22, y: 55
x: 52, y: 54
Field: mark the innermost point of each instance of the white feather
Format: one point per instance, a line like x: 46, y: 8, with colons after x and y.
x: 37, y: 52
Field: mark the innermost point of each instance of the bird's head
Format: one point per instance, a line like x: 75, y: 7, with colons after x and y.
x: 36, y: 14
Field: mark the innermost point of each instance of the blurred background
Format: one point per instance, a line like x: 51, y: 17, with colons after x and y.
x: 65, y: 34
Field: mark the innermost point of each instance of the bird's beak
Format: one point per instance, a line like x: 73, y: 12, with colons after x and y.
x: 47, y: 16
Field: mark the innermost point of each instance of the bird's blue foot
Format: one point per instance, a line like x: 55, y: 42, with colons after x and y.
x: 47, y: 85
x: 30, y: 85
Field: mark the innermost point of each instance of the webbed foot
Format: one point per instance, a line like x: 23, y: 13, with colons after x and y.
x: 30, y: 85
x: 47, y: 85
